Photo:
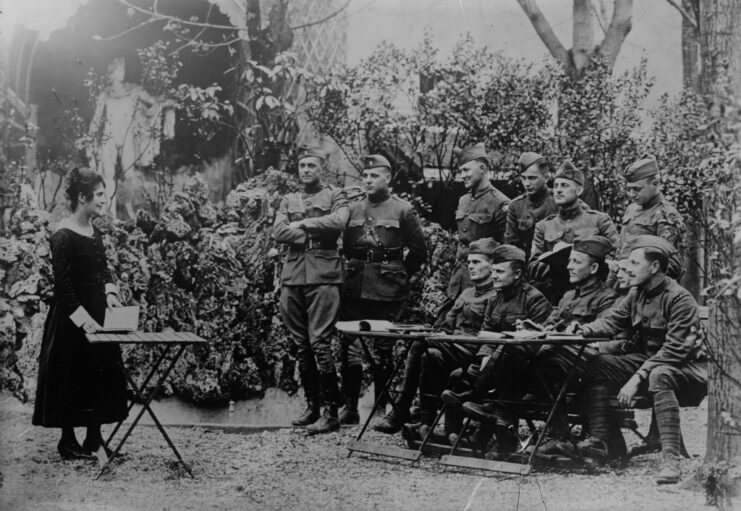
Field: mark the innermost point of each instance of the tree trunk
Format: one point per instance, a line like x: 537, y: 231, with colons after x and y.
x: 720, y: 52
x: 690, y: 48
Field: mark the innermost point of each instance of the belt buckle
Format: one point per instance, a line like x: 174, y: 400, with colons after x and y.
x: 385, y: 259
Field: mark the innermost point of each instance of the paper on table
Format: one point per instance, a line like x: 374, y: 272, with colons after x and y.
x: 364, y: 325
x: 121, y: 319
x: 485, y: 334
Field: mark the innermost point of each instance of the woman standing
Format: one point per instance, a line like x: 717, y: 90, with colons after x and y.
x: 80, y: 384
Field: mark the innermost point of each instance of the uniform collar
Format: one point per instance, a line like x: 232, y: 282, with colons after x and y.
x: 589, y: 286
x: 379, y: 197
x: 539, y: 197
x: 483, y: 188
x: 483, y: 288
x: 312, y: 190
x: 570, y: 212
x: 653, y: 201
x: 659, y: 288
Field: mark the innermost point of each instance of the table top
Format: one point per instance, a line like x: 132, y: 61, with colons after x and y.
x: 519, y: 337
x: 146, y: 338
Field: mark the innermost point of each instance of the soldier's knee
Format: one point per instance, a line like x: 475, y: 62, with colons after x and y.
x: 596, y: 369
x: 661, y: 378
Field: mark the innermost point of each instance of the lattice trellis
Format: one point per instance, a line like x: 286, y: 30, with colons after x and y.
x: 321, y: 47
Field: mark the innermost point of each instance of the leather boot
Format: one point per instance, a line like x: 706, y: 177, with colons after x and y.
x: 671, y: 470
x: 391, y: 423
x: 310, y: 415
x: 352, y: 377
x: 327, y: 423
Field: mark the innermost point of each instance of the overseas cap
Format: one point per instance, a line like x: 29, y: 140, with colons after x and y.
x: 485, y: 246
x: 470, y: 153
x: 641, y: 169
x: 504, y: 253
x: 568, y: 171
x: 372, y: 161
x: 595, y: 246
x: 654, y: 243
x: 306, y: 152
x: 527, y: 160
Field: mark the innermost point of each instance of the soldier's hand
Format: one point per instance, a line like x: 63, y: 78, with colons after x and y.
x: 573, y: 328
x: 628, y: 392
x: 541, y: 271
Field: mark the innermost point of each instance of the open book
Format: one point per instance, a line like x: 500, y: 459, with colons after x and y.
x: 121, y: 319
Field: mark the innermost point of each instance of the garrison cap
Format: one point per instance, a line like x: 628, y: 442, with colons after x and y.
x: 372, y: 161
x: 504, y: 253
x: 485, y: 246
x: 595, y: 246
x: 653, y: 242
x: 306, y: 152
x: 641, y: 169
x: 568, y: 171
x: 470, y: 153
x: 529, y: 159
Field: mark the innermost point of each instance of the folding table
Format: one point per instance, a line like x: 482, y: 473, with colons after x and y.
x: 167, y: 341
x: 520, y: 339
x: 396, y: 332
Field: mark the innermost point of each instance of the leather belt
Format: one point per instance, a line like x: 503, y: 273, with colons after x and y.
x: 316, y: 244
x: 377, y: 255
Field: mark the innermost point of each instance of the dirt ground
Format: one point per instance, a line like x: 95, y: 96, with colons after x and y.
x: 284, y: 469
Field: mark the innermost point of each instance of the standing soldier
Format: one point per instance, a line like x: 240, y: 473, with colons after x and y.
x: 532, y: 206
x: 481, y: 213
x: 309, y: 223
x: 573, y: 220
x: 650, y: 213
x: 377, y: 282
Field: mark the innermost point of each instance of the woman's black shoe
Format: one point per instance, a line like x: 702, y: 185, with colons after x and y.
x: 73, y: 451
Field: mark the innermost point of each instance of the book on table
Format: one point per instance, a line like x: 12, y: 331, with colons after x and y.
x: 121, y: 319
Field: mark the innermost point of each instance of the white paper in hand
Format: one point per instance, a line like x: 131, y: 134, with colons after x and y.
x: 121, y: 319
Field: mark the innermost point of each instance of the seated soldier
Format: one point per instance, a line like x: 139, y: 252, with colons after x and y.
x: 663, y: 356
x: 498, y: 366
x: 428, y: 366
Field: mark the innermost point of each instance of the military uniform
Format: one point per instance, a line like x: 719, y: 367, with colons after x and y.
x: 377, y: 280
x: 523, y: 213
x: 664, y: 349
x: 498, y: 366
x: 481, y: 213
x: 586, y: 302
x: 527, y: 210
x: 311, y: 280
x: 658, y: 217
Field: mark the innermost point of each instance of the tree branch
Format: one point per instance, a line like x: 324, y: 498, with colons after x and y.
x: 692, y: 20
x: 544, y: 31
x: 156, y: 14
x: 620, y: 26
x: 326, y: 18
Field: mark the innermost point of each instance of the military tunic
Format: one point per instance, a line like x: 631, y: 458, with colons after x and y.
x: 377, y: 279
x: 504, y: 366
x: 522, y: 215
x: 586, y: 302
x: 659, y: 218
x: 312, y: 275
x: 568, y: 224
x: 481, y: 213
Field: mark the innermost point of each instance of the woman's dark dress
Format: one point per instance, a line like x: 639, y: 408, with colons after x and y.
x: 79, y: 383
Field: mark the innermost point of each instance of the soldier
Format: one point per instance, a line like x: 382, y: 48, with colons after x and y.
x: 650, y: 212
x: 663, y: 355
x: 377, y: 281
x: 481, y: 213
x: 532, y: 206
x: 573, y: 220
x: 498, y: 366
x: 428, y: 366
x: 309, y: 223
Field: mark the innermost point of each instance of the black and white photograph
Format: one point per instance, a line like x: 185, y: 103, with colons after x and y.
x: 370, y: 255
